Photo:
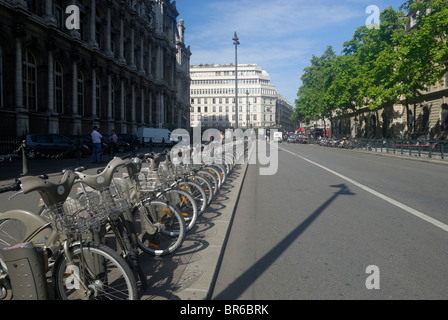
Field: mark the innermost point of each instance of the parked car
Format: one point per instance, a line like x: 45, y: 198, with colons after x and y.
x: 52, y: 145
x: 293, y: 139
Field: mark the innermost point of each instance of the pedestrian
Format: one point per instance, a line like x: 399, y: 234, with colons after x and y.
x: 150, y: 144
x: 96, y: 141
x: 113, y: 140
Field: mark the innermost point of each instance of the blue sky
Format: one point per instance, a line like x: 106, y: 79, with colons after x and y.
x: 280, y: 36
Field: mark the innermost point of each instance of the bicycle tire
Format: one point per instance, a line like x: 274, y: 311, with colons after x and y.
x: 216, y: 172
x: 186, y: 204
x: 198, y: 193
x: 129, y: 251
x: 104, y: 275
x: 211, y: 178
x: 206, y: 186
x: 162, y: 236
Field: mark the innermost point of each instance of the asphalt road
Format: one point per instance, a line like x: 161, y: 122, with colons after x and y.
x: 338, y: 224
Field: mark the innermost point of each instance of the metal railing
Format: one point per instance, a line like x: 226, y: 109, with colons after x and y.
x: 434, y: 149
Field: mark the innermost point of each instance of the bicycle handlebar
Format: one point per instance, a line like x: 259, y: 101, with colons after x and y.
x: 11, y: 188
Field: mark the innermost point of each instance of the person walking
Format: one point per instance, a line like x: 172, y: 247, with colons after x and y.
x: 96, y: 141
x: 113, y: 139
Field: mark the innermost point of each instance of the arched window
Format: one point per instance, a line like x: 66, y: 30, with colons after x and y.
x: 59, y: 88
x: 30, y: 81
x: 81, y: 93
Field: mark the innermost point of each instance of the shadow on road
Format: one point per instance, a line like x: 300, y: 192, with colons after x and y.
x: 235, y: 289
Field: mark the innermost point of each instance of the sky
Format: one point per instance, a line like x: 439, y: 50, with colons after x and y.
x: 280, y: 36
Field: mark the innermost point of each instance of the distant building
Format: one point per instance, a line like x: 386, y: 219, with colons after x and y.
x: 283, y: 115
x: 212, y: 94
x: 126, y: 66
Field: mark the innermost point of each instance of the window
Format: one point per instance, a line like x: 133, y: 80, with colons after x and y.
x: 59, y: 88
x: 30, y: 81
x: 80, y: 93
x: 446, y: 76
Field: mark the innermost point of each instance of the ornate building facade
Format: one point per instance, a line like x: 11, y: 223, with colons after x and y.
x: 66, y: 66
x: 213, y: 97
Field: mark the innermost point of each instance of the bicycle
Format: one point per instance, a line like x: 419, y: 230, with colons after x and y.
x: 153, y: 176
x: 154, y: 226
x: 96, y: 271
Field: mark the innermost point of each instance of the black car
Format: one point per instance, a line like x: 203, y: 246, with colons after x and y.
x: 51, y: 145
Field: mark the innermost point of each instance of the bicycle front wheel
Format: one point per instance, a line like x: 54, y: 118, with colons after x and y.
x: 96, y: 273
x: 159, y: 226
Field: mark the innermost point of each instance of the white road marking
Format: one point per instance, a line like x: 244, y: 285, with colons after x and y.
x: 398, y: 204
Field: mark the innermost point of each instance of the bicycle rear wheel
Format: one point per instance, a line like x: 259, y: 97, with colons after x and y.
x: 96, y: 273
x: 159, y: 226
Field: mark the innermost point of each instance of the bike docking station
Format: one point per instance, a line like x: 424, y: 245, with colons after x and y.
x: 26, y: 271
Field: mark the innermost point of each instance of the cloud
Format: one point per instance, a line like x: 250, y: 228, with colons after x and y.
x: 279, y: 35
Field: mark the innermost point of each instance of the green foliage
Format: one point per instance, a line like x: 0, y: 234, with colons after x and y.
x: 379, y: 66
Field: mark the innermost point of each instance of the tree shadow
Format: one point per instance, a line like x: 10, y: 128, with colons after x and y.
x: 236, y: 288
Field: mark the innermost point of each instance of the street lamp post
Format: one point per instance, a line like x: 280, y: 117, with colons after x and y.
x: 236, y: 43
x: 248, y: 109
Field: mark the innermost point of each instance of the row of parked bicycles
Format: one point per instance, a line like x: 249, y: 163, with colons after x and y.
x: 343, y: 143
x: 88, y: 230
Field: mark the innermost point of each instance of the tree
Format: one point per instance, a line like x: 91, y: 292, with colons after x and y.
x: 423, y: 51
x: 311, y: 102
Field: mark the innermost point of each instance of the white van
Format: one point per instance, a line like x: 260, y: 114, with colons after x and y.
x: 157, y: 135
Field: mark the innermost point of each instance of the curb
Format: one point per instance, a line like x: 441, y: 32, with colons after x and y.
x: 207, y: 262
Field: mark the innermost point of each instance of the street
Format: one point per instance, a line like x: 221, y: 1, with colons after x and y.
x: 338, y: 224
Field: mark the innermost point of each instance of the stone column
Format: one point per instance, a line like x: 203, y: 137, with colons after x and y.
x: 49, y: 17
x: 22, y: 116
x: 109, y: 52
x: 53, y: 122
x: 94, y: 111
x: 93, y: 42
x: 132, y: 65
x: 122, y: 58
x: 75, y: 107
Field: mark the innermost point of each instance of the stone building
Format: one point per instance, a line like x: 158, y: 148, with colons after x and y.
x: 66, y: 66
x: 213, y: 97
